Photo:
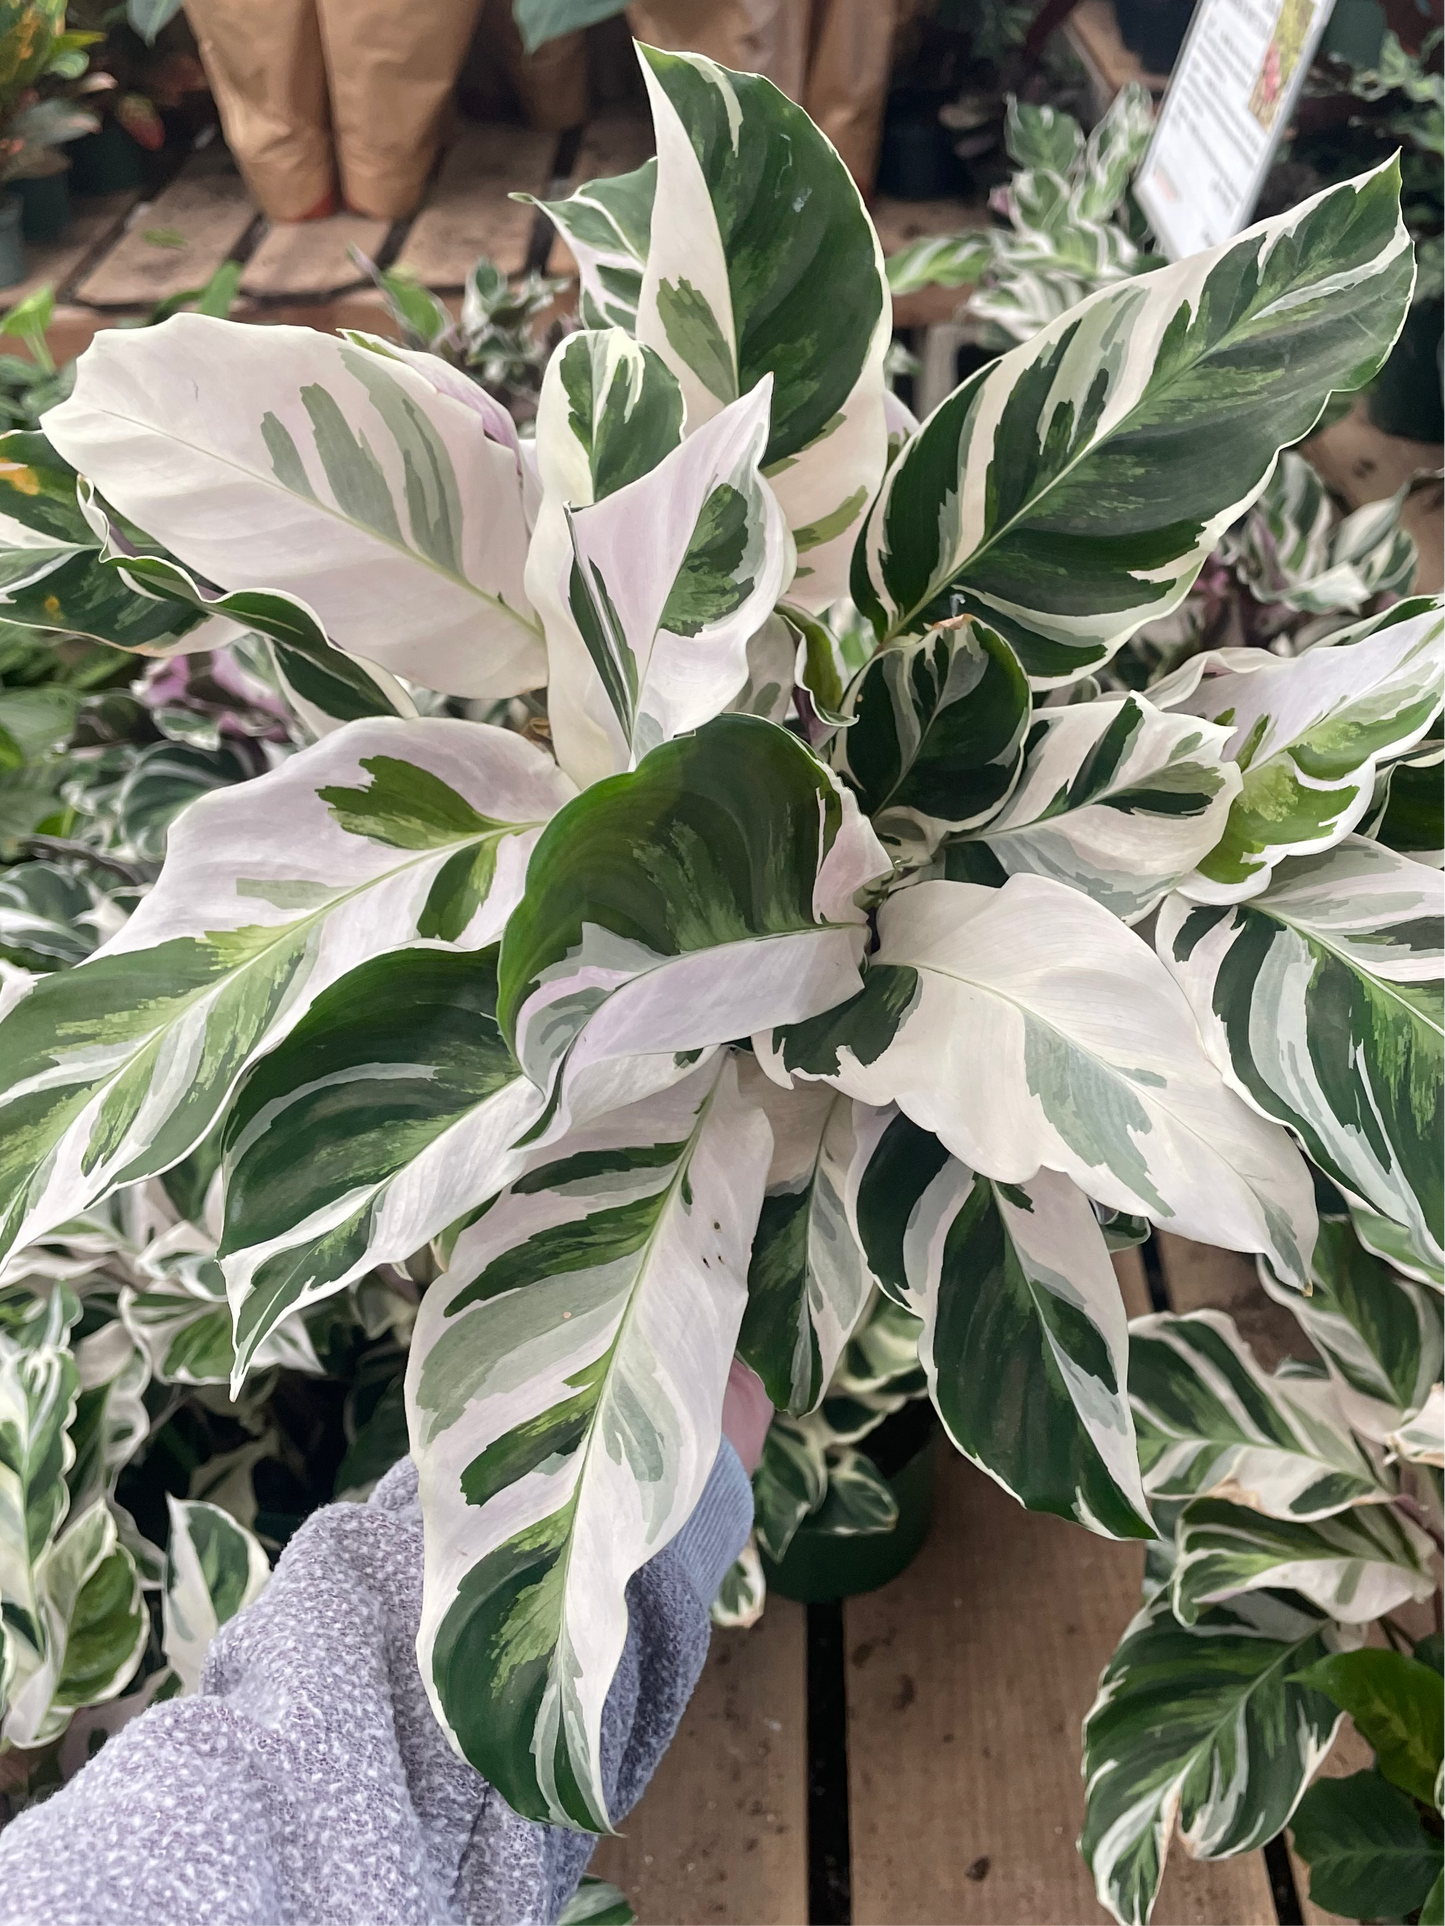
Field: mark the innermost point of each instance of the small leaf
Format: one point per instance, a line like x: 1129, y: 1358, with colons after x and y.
x: 1396, y: 1703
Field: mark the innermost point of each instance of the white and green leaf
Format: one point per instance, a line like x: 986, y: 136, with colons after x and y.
x: 1321, y: 1002
x: 1308, y: 735
x: 1027, y: 1028
x: 1355, y: 1566
x: 936, y: 734
x: 343, y: 477
x: 1202, y: 1726
x: 762, y: 260
x: 214, y: 1566
x: 677, y: 907
x: 1116, y: 799
x: 564, y: 1400
x: 387, y: 1114
x: 385, y: 832
x: 1211, y: 1424
x: 1031, y: 496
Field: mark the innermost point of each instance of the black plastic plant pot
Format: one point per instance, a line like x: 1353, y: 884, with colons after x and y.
x: 820, y: 1565
x: 44, y: 205
x: 916, y: 161
x: 1154, y: 30
x: 12, y: 243
x: 108, y: 161
x: 1405, y: 396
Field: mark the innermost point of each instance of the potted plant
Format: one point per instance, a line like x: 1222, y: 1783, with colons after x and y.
x: 34, y: 47
x: 151, y: 65
x: 721, y: 892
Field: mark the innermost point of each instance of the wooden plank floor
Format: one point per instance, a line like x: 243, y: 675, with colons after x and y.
x: 721, y: 1834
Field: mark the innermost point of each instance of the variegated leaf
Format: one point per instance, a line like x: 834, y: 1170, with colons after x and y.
x: 608, y: 413
x: 790, y: 1483
x: 1041, y: 136
x: 1116, y: 799
x: 1421, y: 1439
x: 809, y: 1282
x: 597, y: 1903
x: 859, y: 1502
x: 1024, y: 1340
x: 1321, y: 1001
x: 1354, y: 1566
x: 178, y: 1313
x: 1202, y: 1725
x: 344, y: 477
x: 1113, y: 150
x: 762, y: 260
x: 385, y: 832
x: 111, y: 1422
x: 743, y: 1593
x: 1031, y: 494
x: 1292, y: 549
x: 1407, y: 811
x: 672, y: 909
x: 83, y: 1635
x: 665, y: 629
x: 608, y: 224
x: 38, y: 1389
x: 1211, y: 1424
x: 936, y: 736
x: 1379, y: 1333
x: 1308, y: 735
x: 940, y: 261
x: 1027, y: 1028
x: 564, y: 1398
x: 384, y: 1116
x: 214, y: 1566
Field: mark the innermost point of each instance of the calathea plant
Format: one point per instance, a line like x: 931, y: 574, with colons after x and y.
x: 1296, y: 1509
x: 1071, y: 224
x: 566, y: 1005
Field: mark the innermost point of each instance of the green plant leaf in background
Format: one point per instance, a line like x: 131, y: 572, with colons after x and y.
x: 1369, y: 1856
x: 1396, y: 1703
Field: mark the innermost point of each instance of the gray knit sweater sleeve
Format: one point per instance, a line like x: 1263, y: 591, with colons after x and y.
x: 309, y: 1783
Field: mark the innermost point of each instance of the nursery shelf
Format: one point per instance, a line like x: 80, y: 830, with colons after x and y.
x: 963, y: 1683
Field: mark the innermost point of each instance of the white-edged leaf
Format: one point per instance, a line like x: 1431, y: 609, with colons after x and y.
x: 1321, y: 1001
x: 400, y: 1073
x: 564, y: 1398
x: 1116, y: 798
x: 809, y: 1281
x: 384, y: 832
x: 667, y: 909
x: 762, y: 260
x: 1025, y: 1340
x: 1308, y: 735
x: 1028, y: 1029
x: 664, y: 628
x: 935, y: 734
x: 339, y: 476
x: 1203, y: 1726
x: 1211, y: 1424
x: 1421, y: 1439
x: 1354, y: 1566
x: 214, y: 1566
x: 1033, y: 495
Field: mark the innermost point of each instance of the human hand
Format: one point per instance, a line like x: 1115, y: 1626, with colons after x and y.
x: 747, y: 1412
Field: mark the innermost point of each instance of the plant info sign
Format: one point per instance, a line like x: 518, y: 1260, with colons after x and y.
x: 1230, y: 99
